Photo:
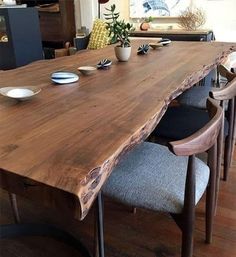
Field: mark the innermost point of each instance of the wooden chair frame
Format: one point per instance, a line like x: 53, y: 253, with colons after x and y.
x: 227, y: 93
x: 199, y: 142
x: 202, y: 140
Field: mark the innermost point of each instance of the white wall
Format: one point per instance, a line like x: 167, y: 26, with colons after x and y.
x: 85, y: 13
x: 221, y: 15
x: 77, y: 14
x: 121, y: 5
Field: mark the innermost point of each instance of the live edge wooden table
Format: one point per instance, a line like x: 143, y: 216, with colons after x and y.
x: 60, y: 147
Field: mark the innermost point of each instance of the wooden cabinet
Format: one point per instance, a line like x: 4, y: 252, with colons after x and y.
x: 20, y: 40
x: 58, y: 25
x: 177, y: 34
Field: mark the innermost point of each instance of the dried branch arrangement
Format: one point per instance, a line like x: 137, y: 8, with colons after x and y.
x: 192, y: 19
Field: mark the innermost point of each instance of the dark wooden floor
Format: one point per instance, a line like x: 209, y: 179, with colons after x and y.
x: 145, y: 234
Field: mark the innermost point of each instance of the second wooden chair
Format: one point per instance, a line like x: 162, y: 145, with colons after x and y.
x: 152, y: 177
x: 182, y: 121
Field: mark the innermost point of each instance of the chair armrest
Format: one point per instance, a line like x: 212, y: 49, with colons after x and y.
x: 204, y: 138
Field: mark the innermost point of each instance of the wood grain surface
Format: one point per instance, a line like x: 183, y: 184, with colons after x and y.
x: 70, y: 137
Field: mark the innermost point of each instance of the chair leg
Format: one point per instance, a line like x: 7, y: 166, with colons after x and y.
x: 234, y: 133
x: 13, y: 201
x: 187, y: 240
x: 188, y: 215
x: 229, y: 140
x: 210, y: 195
x: 220, y: 140
x: 233, y: 147
x: 99, y: 223
x: 226, y: 158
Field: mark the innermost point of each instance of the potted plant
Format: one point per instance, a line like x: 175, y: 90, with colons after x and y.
x: 119, y: 32
x: 145, y: 24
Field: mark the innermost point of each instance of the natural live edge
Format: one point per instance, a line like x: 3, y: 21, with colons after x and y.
x: 118, y: 99
x: 103, y: 172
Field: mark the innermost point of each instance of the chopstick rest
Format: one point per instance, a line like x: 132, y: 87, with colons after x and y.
x: 143, y: 49
x: 104, y: 64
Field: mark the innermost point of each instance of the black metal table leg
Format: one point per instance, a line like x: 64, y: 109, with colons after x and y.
x: 99, y: 225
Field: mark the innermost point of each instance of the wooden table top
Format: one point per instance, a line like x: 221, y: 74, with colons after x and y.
x: 70, y: 137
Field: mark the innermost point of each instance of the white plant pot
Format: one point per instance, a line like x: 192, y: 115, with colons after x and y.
x: 123, y: 53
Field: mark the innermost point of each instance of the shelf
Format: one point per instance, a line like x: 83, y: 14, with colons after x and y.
x: 176, y: 34
x: 50, y: 8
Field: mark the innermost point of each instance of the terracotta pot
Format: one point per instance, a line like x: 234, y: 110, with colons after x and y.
x: 122, y: 53
x: 144, y: 26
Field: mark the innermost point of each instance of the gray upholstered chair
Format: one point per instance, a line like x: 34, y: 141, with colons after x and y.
x: 197, y: 95
x: 182, y: 121
x: 171, y: 180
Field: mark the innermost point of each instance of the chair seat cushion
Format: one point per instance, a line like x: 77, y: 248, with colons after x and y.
x: 152, y: 177
x: 182, y: 121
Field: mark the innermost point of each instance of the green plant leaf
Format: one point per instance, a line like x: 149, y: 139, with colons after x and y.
x: 113, y: 7
x: 118, y: 29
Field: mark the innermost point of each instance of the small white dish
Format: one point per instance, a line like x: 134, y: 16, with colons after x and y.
x: 155, y: 45
x: 19, y: 93
x: 62, y: 77
x: 87, y: 70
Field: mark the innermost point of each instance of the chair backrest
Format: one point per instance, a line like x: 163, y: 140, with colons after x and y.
x: 204, y: 138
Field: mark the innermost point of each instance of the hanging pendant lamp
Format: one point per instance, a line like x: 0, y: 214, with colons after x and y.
x: 99, y: 8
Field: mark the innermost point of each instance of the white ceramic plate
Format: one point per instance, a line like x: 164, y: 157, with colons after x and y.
x: 62, y: 77
x: 87, y: 70
x: 65, y: 81
x: 165, y: 41
x: 19, y: 93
